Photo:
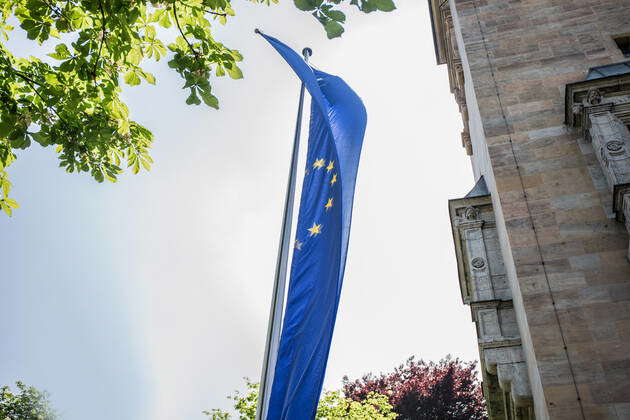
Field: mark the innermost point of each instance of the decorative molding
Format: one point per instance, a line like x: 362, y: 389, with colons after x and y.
x: 471, y: 213
x: 478, y: 263
x: 467, y: 143
x: 611, y: 141
x: 593, y: 97
x: 447, y: 52
x: 484, y: 287
x: 613, y: 93
x: 508, y: 364
x: 615, y: 147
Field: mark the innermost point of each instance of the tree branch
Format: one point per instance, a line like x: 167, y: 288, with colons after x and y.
x: 26, y: 78
x: 31, y: 83
x: 215, y: 13
x: 59, y: 13
x: 205, y: 10
x: 182, y: 32
x: 100, y: 48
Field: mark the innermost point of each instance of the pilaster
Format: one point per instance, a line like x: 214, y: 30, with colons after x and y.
x: 484, y: 288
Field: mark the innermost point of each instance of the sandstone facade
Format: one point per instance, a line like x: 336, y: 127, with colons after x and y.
x: 542, y: 241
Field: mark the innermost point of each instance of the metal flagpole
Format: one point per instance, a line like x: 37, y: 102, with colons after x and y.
x: 279, y: 285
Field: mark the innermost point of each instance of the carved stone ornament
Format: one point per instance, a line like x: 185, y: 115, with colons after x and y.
x: 604, y: 157
x: 594, y: 97
x: 459, y: 96
x: 615, y: 147
x: 471, y: 213
x: 478, y: 262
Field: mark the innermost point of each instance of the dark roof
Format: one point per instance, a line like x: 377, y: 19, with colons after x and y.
x: 479, y: 190
x: 608, y: 70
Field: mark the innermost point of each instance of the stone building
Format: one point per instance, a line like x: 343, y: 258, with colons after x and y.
x: 542, y: 244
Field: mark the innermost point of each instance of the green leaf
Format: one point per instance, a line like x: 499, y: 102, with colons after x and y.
x: 12, y: 203
x: 337, y: 15
x: 79, y: 18
x: 6, y: 208
x: 6, y: 125
x: 193, y: 98
x: 237, y: 55
x: 149, y: 77
x: 6, y: 186
x: 51, y: 79
x: 333, y: 29
x: 36, y: 29
x: 385, y: 5
x: 41, y: 138
x: 165, y: 20
x: 135, y: 56
x: 19, y: 139
x: 235, y: 72
x: 157, y: 15
x: 131, y: 78
x: 150, y: 32
x: 118, y: 109
x: 209, y: 99
x: 61, y: 52
x: 366, y: 6
x: 145, y: 164
x: 306, y: 5
x: 54, y: 32
x: 123, y: 127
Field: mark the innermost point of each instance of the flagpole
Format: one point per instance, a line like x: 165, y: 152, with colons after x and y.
x: 279, y: 285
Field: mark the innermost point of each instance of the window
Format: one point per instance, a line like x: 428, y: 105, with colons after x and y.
x: 623, y: 42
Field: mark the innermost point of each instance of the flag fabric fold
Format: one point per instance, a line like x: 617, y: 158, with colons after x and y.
x: 337, y: 126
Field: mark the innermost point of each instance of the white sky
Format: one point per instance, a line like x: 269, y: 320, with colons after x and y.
x: 148, y: 299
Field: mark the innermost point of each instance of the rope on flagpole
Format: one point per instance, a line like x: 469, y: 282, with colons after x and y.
x: 279, y: 286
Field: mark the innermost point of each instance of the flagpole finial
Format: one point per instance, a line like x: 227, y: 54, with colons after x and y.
x: 307, y: 52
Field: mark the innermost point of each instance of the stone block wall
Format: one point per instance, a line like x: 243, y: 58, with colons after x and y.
x: 564, y: 246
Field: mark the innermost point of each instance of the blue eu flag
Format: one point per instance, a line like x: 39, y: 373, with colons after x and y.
x: 337, y: 126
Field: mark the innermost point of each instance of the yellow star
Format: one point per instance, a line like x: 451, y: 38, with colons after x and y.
x: 333, y: 180
x: 315, y: 230
x: 329, y: 204
x: 331, y: 166
x: 319, y: 163
x: 298, y: 245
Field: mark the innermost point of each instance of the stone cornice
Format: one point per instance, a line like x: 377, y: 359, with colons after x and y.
x: 499, y: 344
x: 589, y: 95
x: 437, y: 9
x: 447, y: 52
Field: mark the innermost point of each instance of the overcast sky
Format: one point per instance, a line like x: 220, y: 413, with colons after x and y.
x: 148, y: 299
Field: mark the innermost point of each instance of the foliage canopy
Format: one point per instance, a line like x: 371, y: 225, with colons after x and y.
x: 447, y: 390
x: 73, y: 103
x: 27, y: 404
x: 332, y: 406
